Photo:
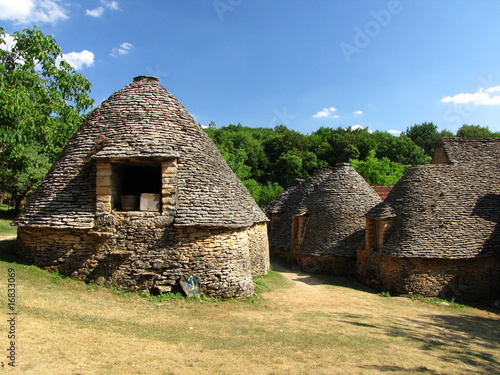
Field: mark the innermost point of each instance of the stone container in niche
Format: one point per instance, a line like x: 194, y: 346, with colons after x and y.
x: 130, y: 202
x: 150, y: 202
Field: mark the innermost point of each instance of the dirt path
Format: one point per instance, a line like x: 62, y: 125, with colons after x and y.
x: 10, y: 237
x: 306, y: 290
x: 310, y: 293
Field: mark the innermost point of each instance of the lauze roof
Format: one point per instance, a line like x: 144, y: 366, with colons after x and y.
x: 449, y: 210
x: 142, y: 120
x: 335, y: 200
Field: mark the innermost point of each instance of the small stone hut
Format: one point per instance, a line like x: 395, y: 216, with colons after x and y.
x: 319, y: 222
x: 437, y: 234
x: 141, y: 197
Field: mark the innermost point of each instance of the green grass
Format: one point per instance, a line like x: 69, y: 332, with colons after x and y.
x: 5, y: 207
x: 438, y: 302
x: 6, y: 229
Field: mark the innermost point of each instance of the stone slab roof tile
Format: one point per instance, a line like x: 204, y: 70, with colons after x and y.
x: 335, y: 200
x: 447, y: 210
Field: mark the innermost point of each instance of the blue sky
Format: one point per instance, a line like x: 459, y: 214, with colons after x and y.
x: 385, y: 65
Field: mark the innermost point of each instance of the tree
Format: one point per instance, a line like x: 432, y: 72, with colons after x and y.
x: 425, y: 135
x: 42, y: 101
x: 399, y: 149
x: 379, y: 172
x: 476, y: 131
x: 21, y: 170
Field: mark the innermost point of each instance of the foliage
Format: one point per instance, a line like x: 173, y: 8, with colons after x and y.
x: 476, y: 131
x: 21, y: 169
x: 379, y: 172
x: 425, y: 135
x: 42, y: 100
x: 269, y: 160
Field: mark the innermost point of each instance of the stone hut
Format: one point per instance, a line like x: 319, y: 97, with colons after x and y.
x: 141, y: 197
x: 319, y: 222
x: 436, y: 234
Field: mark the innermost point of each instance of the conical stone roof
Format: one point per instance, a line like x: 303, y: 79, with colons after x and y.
x: 335, y: 200
x: 142, y: 120
x: 336, y: 210
x: 449, y: 210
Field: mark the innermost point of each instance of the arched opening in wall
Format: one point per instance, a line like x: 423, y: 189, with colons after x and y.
x: 136, y: 187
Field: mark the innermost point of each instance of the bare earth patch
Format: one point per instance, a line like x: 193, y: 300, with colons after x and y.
x: 302, y: 326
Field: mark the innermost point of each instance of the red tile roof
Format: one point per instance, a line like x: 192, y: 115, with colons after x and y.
x: 382, y: 191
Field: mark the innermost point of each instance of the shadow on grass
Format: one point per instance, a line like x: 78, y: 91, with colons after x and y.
x: 399, y: 369
x: 8, y: 252
x: 8, y: 214
x: 456, y: 339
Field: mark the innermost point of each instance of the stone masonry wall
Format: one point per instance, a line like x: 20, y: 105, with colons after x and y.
x: 476, y: 279
x: 142, y: 251
x: 259, y: 249
x: 65, y: 250
x: 327, y: 263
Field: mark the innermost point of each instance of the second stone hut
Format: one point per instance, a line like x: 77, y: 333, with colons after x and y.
x: 319, y: 222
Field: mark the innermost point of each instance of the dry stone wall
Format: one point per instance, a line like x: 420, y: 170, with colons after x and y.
x: 476, y: 279
x: 327, y: 263
x: 259, y: 249
x: 143, y: 251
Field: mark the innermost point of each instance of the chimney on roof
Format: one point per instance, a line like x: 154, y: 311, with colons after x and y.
x: 146, y: 78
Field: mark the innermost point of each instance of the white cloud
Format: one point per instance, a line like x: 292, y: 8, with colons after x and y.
x: 480, y: 97
x: 326, y: 112
x: 356, y: 127
x: 112, y: 5
x: 99, y: 11
x: 78, y: 60
x: 123, y: 49
x: 394, y: 132
x: 32, y: 11
x: 359, y: 127
x: 358, y: 112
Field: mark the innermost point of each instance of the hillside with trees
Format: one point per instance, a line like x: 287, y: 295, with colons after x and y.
x: 269, y: 160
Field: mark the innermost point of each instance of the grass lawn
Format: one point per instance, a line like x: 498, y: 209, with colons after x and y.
x: 298, y: 325
x: 6, y: 230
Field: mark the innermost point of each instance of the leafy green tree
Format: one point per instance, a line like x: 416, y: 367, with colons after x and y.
x: 262, y: 193
x: 379, y: 172
x: 423, y: 135
x: 21, y: 170
x: 266, y: 159
x: 343, y: 144
x: 476, y: 131
x: 400, y: 149
x: 42, y: 101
